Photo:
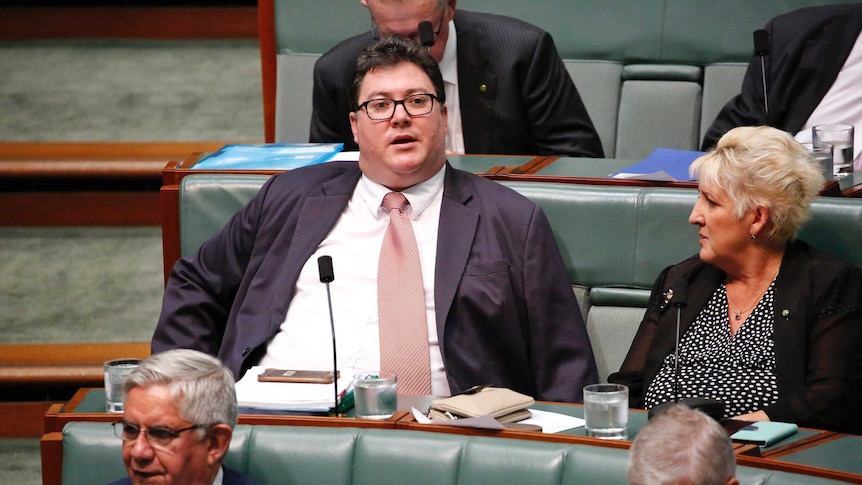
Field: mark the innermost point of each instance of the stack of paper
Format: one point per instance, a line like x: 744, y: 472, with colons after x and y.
x: 288, y: 396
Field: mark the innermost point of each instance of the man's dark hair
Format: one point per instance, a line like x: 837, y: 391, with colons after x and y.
x: 389, y: 52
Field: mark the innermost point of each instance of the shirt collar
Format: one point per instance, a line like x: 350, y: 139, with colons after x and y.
x: 420, y: 195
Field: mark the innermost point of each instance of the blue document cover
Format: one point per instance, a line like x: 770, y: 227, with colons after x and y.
x: 764, y: 433
x: 663, y: 164
x: 270, y: 156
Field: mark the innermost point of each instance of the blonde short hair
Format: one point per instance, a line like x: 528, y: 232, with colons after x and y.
x: 763, y: 167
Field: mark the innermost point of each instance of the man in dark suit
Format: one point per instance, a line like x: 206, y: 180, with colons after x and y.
x: 808, y: 63
x: 506, y: 84
x: 499, y: 305
x: 179, y: 412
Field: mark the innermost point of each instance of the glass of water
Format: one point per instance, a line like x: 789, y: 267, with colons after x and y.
x: 821, y: 154
x: 375, y: 394
x: 116, y: 371
x: 606, y: 411
x: 840, y: 136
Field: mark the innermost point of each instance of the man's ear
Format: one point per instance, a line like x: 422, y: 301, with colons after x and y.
x: 219, y: 442
x: 353, y: 125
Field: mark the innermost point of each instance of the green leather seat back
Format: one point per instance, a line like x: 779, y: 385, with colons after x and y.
x: 307, y: 455
x: 208, y: 201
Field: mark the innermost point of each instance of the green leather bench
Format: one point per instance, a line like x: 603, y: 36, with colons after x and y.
x: 652, y: 73
x: 301, y: 455
x: 615, y: 240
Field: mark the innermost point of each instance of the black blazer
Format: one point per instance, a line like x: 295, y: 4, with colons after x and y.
x: 817, y: 333
x: 516, y: 96
x: 506, y: 314
x: 808, y: 48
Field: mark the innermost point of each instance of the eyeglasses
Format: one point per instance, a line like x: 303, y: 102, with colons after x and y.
x: 379, y: 109
x: 156, y: 435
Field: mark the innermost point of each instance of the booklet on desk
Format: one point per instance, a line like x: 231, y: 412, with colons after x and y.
x: 764, y: 433
x: 663, y: 165
x: 291, y: 396
x: 278, y: 156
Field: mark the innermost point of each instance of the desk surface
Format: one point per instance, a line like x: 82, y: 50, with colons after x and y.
x: 816, y: 452
x: 90, y: 402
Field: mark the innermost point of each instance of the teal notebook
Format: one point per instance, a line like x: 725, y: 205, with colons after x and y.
x: 764, y: 433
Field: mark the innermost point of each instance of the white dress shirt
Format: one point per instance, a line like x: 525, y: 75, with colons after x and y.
x: 449, y: 69
x: 304, y: 340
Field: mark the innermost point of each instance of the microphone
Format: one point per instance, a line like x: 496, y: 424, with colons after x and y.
x: 761, y: 48
x: 678, y: 295
x: 327, y: 275
x: 426, y: 35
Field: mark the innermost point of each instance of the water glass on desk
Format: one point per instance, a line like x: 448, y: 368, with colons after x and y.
x: 606, y: 411
x: 116, y: 371
x: 821, y: 154
x: 375, y: 394
x: 840, y: 136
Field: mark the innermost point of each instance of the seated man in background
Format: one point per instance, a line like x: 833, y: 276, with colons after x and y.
x: 682, y: 446
x: 508, y: 90
x: 813, y: 74
x: 179, y: 413
x: 483, y: 295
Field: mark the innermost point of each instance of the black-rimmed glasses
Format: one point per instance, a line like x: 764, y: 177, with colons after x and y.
x: 379, y: 109
x: 156, y: 435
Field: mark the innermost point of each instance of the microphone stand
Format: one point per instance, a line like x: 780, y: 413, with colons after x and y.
x: 711, y: 407
x: 327, y: 275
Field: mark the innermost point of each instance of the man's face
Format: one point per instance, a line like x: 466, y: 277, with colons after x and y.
x: 186, y: 459
x: 401, y: 19
x: 404, y: 150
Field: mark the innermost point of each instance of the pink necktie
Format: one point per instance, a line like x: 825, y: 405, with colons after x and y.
x: 401, y: 303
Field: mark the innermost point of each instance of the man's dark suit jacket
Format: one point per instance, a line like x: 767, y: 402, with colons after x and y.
x: 817, y: 334
x: 516, y: 96
x: 231, y: 477
x: 808, y: 48
x: 506, y: 314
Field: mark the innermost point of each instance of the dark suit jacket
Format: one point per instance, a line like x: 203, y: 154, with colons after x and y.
x: 506, y: 314
x: 231, y: 477
x: 817, y: 333
x: 529, y: 104
x: 808, y: 48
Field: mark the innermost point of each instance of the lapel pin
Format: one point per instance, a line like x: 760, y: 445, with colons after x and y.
x: 785, y: 313
x: 483, y: 88
x: 668, y: 296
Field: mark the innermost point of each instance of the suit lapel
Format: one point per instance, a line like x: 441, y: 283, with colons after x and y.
x: 318, y: 214
x: 814, y: 77
x: 477, y: 86
x: 458, y: 224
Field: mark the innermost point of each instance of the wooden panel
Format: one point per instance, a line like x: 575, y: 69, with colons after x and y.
x: 22, y: 419
x: 52, y: 458
x: 78, y: 353
x: 21, y: 23
x: 268, y: 51
x: 80, y: 209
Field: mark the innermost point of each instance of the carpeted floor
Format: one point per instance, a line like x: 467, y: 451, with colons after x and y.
x: 104, y: 284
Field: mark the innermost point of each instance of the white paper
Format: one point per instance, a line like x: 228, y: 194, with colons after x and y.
x: 660, y: 176
x: 350, y: 156
x: 552, y: 422
x: 287, y: 395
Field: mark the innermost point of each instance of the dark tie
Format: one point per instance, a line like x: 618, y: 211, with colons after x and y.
x: 401, y: 303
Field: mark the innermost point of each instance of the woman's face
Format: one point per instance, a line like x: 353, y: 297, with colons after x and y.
x: 722, y: 235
